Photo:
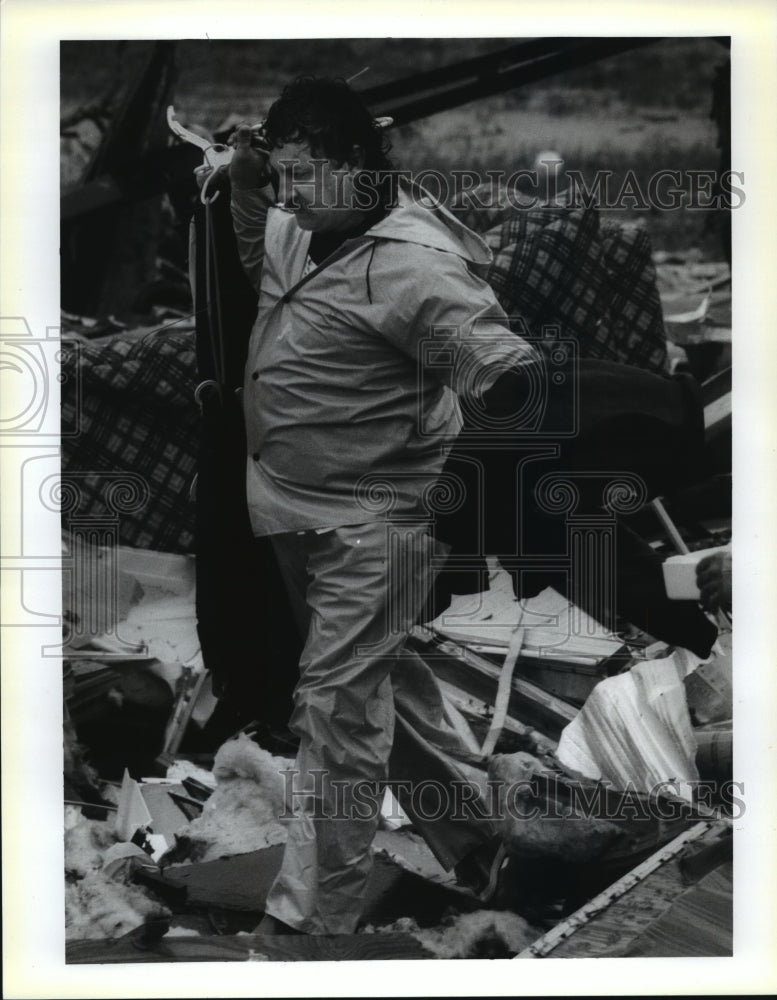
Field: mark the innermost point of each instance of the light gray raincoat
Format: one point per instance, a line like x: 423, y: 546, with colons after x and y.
x: 350, y: 365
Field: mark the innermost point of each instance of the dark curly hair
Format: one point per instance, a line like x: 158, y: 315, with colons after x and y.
x: 331, y: 119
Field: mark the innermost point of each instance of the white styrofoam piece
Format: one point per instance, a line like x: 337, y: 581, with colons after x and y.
x: 680, y: 573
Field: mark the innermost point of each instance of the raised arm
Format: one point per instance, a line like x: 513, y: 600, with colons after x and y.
x: 252, y: 195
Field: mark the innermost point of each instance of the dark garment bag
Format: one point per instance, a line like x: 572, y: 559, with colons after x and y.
x: 249, y: 642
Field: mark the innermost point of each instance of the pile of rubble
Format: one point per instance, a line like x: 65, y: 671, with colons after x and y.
x: 185, y: 850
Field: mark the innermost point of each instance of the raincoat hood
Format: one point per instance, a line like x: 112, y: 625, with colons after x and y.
x: 419, y: 218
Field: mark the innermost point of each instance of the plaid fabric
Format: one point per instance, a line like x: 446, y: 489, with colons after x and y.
x: 138, y: 416
x: 545, y: 265
x: 634, y: 314
x: 557, y: 266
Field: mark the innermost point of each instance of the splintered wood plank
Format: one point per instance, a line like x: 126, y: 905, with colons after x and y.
x: 478, y: 714
x: 611, y: 933
x: 249, y: 948
x: 479, y: 677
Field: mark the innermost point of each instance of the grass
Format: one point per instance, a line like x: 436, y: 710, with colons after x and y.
x: 644, y: 110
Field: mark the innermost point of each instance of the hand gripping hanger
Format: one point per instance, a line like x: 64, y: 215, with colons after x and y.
x: 215, y: 154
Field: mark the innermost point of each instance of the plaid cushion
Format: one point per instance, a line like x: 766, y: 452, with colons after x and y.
x: 138, y: 415
x: 597, y: 286
x: 545, y: 267
x: 555, y: 265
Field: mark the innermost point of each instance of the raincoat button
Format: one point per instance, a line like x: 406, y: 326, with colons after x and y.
x: 255, y: 376
x: 255, y: 456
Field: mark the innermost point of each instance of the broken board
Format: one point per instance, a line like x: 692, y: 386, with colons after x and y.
x: 651, y: 911
x: 554, y: 628
x: 242, y: 882
x: 564, y: 651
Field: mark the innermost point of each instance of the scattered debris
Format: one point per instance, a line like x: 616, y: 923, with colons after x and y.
x: 99, y: 907
x: 248, y: 948
x: 483, y: 934
x: 85, y: 843
x: 537, y: 822
x: 487, y: 621
x: 99, y: 901
x: 241, y: 814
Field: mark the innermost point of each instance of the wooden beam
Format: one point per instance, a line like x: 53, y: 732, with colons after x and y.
x: 494, y: 80
x: 491, y: 62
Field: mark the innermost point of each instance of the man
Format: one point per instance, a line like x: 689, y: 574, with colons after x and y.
x: 371, y: 321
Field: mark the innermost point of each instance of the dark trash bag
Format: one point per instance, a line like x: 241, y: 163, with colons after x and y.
x: 604, y: 418
x: 628, y: 425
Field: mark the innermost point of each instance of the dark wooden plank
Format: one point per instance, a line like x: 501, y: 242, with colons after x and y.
x: 658, y: 915
x: 612, y: 932
x: 490, y: 63
x: 240, y: 882
x: 243, y: 881
x: 249, y: 947
x: 486, y: 84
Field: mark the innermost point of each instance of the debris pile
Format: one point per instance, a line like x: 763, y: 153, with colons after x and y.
x: 100, y: 899
x: 195, y: 843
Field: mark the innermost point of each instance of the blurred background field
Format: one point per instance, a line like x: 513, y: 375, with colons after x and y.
x: 646, y: 110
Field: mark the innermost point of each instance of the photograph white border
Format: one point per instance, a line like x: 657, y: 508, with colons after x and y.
x: 33, y: 883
